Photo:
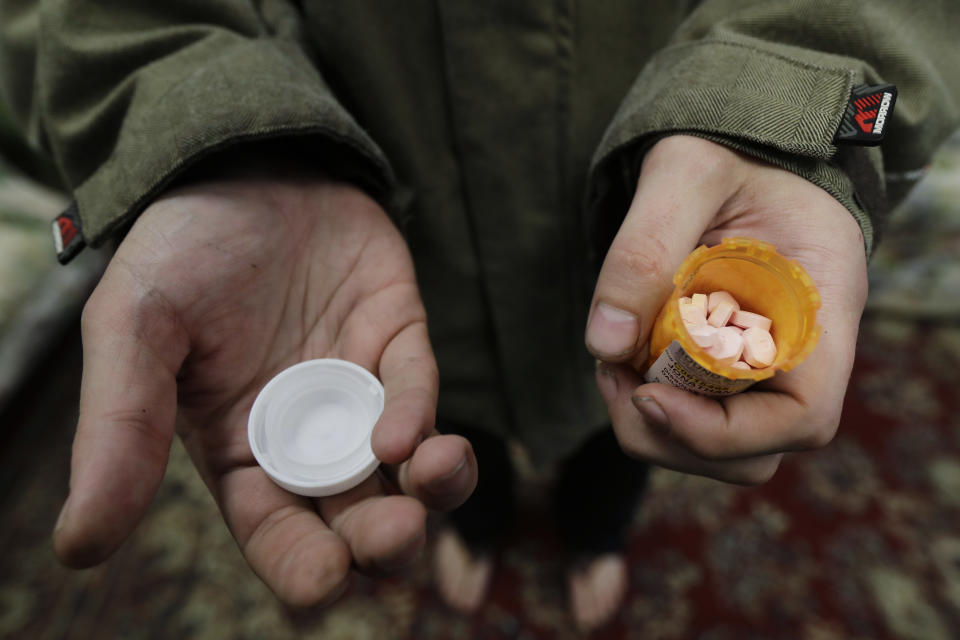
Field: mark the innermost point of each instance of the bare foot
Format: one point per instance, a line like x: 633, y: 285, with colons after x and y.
x: 596, y: 590
x: 462, y: 578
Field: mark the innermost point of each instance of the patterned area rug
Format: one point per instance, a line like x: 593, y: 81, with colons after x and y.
x: 858, y: 541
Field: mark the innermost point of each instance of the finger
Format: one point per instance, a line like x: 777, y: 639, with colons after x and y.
x: 646, y: 439
x: 132, y: 349
x: 684, y: 182
x: 383, y: 533
x: 747, y: 424
x: 440, y: 471
x: 283, y: 539
x: 410, y: 379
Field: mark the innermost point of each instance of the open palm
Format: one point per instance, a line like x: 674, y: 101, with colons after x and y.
x: 216, y: 288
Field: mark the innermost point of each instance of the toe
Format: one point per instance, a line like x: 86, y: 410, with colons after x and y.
x: 597, y: 590
x: 462, y: 579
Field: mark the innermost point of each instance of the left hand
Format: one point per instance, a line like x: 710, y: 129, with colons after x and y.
x: 219, y: 286
x: 692, y: 191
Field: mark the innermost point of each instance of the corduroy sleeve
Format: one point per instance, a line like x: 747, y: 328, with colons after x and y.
x: 127, y: 94
x: 772, y: 78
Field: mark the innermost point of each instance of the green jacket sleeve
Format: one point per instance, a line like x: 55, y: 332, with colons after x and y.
x: 772, y: 78
x: 126, y: 94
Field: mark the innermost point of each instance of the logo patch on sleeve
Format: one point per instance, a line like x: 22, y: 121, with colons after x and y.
x: 865, y: 120
x: 67, y: 235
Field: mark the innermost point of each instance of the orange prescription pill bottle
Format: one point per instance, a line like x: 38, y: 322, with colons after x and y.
x: 762, y: 281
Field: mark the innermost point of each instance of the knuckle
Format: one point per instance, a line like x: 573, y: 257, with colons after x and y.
x: 640, y: 260
x: 697, y: 157
x: 821, y: 430
x: 127, y: 304
x: 139, y: 424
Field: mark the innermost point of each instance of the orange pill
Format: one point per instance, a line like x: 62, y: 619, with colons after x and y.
x: 704, y: 335
x: 691, y: 314
x: 700, y: 300
x: 729, y: 346
x: 759, y: 350
x: 747, y: 319
x: 720, y: 315
x: 717, y: 297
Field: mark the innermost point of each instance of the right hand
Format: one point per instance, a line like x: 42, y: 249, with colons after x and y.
x: 693, y: 191
x: 216, y: 288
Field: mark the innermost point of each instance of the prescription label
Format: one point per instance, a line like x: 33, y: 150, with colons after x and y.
x: 675, y: 367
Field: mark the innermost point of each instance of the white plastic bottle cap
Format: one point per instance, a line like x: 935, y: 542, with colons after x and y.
x: 310, y: 426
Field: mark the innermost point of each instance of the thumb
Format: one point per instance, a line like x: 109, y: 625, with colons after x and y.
x: 683, y: 184
x: 132, y: 349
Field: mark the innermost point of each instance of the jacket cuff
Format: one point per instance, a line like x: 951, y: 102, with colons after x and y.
x: 214, y: 94
x: 775, y: 108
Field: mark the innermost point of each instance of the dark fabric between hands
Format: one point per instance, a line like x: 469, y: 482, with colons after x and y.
x: 597, y: 492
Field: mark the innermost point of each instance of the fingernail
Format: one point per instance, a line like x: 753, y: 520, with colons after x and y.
x: 612, y: 332
x: 652, y: 412
x: 606, y: 381
x: 440, y: 484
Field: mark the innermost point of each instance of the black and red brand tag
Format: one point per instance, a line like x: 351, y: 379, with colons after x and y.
x: 868, y: 114
x: 67, y: 234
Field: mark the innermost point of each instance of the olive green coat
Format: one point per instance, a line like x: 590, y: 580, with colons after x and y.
x: 505, y: 136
